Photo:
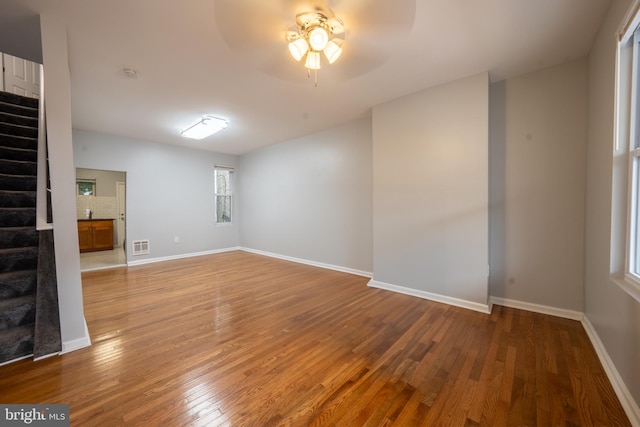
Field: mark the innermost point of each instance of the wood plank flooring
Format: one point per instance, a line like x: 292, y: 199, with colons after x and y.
x: 238, y: 339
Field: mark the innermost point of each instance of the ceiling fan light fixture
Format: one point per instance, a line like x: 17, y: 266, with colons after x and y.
x: 318, y: 38
x: 315, y: 31
x: 208, y: 125
x: 332, y: 51
x: 298, y: 48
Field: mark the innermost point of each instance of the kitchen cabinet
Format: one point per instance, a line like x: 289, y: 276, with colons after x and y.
x: 95, y: 235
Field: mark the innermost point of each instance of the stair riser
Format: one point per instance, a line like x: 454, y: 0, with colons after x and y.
x: 18, y: 284
x: 17, y: 199
x: 18, y: 154
x: 12, y: 141
x: 18, y: 183
x: 18, y: 167
x: 17, y: 119
x: 17, y: 312
x: 19, y: 110
x: 16, y: 342
x: 9, y: 129
x: 20, y: 238
x: 18, y: 100
x: 13, y: 263
x: 19, y: 217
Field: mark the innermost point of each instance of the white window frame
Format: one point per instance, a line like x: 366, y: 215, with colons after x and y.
x: 91, y: 181
x: 228, y: 194
x: 627, y: 145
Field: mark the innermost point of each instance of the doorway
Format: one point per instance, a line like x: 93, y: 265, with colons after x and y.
x: 101, y: 202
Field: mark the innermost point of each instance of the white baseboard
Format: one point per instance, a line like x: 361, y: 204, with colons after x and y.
x: 77, y: 344
x: 482, y: 308
x: 626, y: 400
x: 537, y: 308
x: 180, y: 256
x: 312, y: 263
x: 15, y: 360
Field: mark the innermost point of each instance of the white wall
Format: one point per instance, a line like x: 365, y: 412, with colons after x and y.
x: 537, y: 186
x: 613, y: 313
x: 57, y: 89
x: 310, y: 198
x: 430, y: 197
x: 170, y: 192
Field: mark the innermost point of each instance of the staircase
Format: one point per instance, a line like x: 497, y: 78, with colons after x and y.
x: 18, y: 236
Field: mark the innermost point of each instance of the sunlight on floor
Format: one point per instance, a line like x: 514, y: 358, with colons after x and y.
x: 102, y: 259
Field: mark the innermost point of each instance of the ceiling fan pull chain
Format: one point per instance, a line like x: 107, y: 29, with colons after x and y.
x: 315, y: 78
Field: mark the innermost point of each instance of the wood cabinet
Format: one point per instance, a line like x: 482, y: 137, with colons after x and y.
x: 95, y: 235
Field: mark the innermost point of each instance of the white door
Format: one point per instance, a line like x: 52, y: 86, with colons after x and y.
x: 120, y: 206
x: 21, y: 77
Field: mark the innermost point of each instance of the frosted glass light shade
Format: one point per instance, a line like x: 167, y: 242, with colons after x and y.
x: 208, y: 125
x: 313, y: 60
x: 318, y: 38
x: 298, y: 48
x: 332, y: 51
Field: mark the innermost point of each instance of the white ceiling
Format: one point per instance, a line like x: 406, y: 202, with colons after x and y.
x: 197, y: 57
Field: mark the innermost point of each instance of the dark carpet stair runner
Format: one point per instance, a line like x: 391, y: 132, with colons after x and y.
x: 19, y: 239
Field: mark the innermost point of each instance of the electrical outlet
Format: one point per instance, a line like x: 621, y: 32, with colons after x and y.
x: 176, y: 239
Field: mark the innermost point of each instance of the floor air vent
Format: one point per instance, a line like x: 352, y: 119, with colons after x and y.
x: 140, y: 247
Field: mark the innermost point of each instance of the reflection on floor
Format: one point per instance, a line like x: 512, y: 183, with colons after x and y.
x: 102, y: 259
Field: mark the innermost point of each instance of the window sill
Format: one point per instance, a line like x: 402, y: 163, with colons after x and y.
x: 223, y: 224
x: 628, y: 285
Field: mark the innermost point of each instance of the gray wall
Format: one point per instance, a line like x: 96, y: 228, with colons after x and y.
x: 537, y: 186
x: 20, y: 33
x: 310, y: 198
x: 170, y: 192
x: 430, y: 181
x: 613, y: 313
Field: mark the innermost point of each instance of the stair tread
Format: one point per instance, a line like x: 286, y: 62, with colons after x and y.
x: 17, y: 229
x: 24, y: 249
x: 17, y: 330
x: 17, y: 283
x: 16, y: 275
x: 5, y: 208
x: 17, y: 176
x: 20, y: 100
x: 31, y: 162
x: 29, y: 299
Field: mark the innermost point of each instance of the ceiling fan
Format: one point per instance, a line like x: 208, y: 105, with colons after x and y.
x: 362, y: 33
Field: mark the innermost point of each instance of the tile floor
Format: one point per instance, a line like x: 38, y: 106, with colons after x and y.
x: 102, y: 259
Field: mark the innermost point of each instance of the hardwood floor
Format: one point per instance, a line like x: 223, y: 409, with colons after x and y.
x: 239, y: 339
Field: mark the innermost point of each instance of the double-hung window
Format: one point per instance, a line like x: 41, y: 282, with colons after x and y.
x: 627, y: 155
x: 224, y: 194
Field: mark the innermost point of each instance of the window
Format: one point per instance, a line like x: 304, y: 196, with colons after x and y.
x: 86, y: 187
x: 625, y: 226
x: 224, y: 194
